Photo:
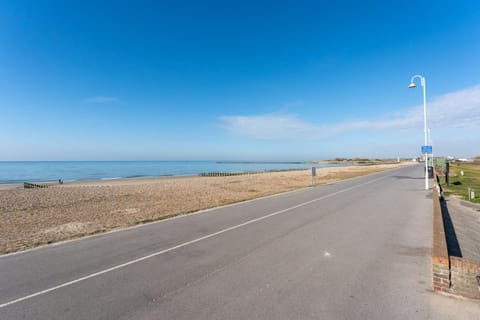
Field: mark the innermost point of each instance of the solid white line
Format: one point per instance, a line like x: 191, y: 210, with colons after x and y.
x: 184, y: 244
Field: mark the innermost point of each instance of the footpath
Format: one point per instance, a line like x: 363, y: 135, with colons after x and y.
x: 465, y: 218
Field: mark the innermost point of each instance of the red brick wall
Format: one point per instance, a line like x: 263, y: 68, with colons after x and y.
x: 464, y: 275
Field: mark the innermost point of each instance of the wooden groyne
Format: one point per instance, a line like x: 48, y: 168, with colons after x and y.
x: 223, y: 174
x: 228, y: 174
x: 28, y: 185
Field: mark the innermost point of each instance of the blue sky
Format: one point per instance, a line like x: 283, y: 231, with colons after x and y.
x: 236, y: 80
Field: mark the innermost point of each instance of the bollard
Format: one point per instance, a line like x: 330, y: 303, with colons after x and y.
x: 447, y: 173
x: 471, y: 194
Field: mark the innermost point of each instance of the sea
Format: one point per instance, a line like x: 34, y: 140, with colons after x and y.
x: 14, y: 172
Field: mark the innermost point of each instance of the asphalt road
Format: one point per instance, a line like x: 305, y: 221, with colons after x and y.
x: 356, y: 249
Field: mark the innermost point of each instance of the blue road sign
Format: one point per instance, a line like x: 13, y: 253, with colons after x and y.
x: 426, y: 149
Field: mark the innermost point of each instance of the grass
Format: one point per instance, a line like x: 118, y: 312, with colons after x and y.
x: 459, y: 184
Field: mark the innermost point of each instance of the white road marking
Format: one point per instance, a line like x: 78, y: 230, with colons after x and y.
x: 184, y: 244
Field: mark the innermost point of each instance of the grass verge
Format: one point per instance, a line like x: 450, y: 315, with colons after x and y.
x: 459, y: 183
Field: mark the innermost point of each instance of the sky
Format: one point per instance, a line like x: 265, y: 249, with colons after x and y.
x: 237, y: 80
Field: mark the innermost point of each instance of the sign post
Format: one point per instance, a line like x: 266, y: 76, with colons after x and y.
x: 314, y: 176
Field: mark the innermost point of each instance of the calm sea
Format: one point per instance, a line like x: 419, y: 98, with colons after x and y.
x: 12, y: 172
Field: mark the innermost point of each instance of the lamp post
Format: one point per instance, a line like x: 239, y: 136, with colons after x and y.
x: 412, y: 86
x: 430, y: 143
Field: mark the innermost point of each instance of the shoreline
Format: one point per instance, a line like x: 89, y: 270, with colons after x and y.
x: 49, y: 172
x: 123, y: 180
x: 54, y: 183
x: 35, y: 217
x: 51, y: 181
x: 11, y: 186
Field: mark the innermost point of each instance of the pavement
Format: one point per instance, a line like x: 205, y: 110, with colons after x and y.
x: 465, y: 222
x: 355, y: 249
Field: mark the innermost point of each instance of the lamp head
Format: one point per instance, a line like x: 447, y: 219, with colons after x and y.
x: 412, y: 86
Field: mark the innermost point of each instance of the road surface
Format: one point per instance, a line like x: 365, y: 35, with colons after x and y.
x: 356, y: 249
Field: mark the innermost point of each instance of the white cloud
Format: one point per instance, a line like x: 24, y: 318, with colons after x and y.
x: 460, y: 109
x: 267, y: 126
x: 101, y: 99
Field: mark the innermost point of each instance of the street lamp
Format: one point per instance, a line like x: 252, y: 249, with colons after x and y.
x: 413, y: 86
x: 430, y: 143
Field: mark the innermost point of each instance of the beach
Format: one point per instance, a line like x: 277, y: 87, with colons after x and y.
x: 35, y: 217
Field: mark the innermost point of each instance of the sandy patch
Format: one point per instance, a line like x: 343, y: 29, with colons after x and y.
x: 72, y: 227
